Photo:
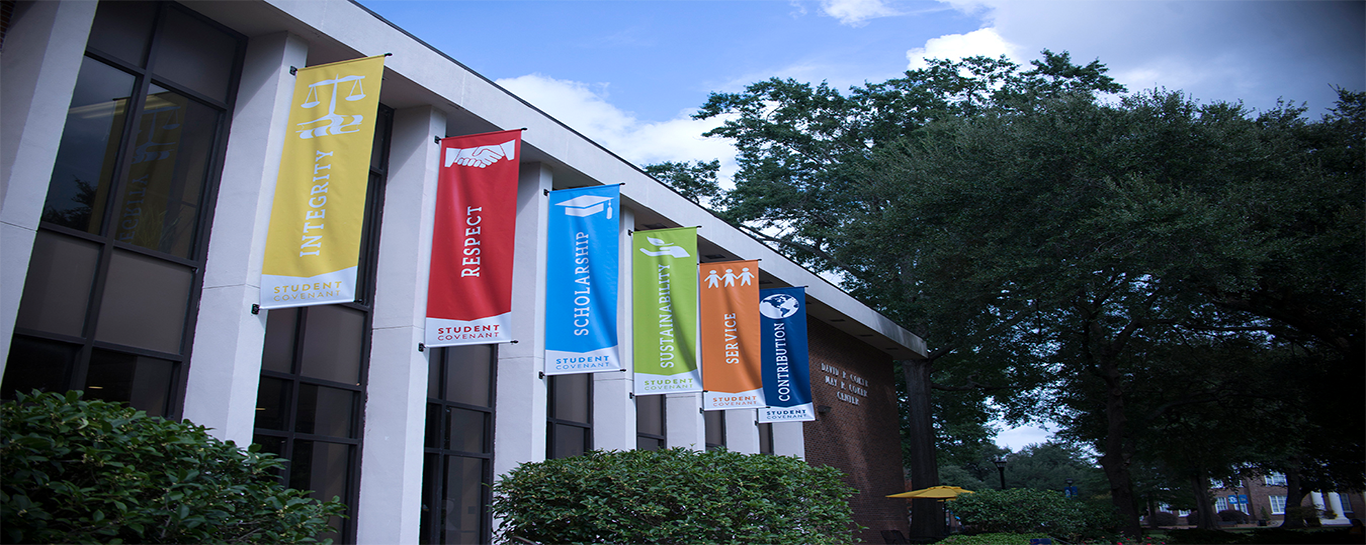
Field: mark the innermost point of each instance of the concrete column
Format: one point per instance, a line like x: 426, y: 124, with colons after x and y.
x: 742, y: 431
x: 225, y: 364
x: 788, y: 440
x: 390, y: 505
x: 519, y: 429
x: 614, y: 408
x: 685, y: 426
x: 44, y: 47
x: 1334, y: 501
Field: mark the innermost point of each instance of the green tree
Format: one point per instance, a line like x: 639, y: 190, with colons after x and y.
x: 1034, y: 234
x: 805, y: 156
x: 695, y: 181
x: 94, y: 471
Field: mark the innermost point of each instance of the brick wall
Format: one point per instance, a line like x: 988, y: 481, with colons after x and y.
x: 859, y: 435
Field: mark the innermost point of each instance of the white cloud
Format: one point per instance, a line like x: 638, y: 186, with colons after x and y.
x: 856, y: 12
x: 587, y: 111
x: 986, y: 42
x: 1021, y: 437
x: 1255, y: 51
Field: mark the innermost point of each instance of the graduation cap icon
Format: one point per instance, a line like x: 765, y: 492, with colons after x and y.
x: 586, y: 205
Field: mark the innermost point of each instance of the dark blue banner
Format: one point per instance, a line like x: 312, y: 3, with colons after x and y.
x: 787, y: 373
x: 583, y: 254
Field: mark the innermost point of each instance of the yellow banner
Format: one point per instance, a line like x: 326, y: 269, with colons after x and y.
x: 313, y: 246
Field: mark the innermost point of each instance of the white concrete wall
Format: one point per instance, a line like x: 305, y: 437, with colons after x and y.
x: 519, y: 428
x: 742, y: 431
x: 390, y: 505
x: 614, y: 408
x: 43, y: 51
x: 683, y: 421
x: 225, y: 366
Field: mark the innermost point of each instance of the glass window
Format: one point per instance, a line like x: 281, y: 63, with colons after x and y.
x: 38, y: 364
x: 1220, y: 504
x: 57, y: 291
x: 147, y: 310
x: 84, y: 170
x: 141, y: 381
x: 716, y: 428
x: 569, y: 428
x: 766, y: 438
x: 123, y: 30
x: 332, y: 350
x: 1277, y: 504
x: 167, y: 171
x: 1274, y: 479
x: 457, y: 467
x: 120, y: 248
x: 189, y: 49
x: 650, y: 422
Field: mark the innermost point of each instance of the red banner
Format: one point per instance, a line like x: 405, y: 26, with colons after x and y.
x: 469, y: 291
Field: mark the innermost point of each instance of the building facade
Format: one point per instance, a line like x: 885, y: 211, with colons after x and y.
x: 138, y: 157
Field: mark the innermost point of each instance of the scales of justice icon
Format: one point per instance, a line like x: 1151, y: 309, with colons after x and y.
x: 336, y: 123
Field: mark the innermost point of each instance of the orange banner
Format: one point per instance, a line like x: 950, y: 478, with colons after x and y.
x: 732, y: 375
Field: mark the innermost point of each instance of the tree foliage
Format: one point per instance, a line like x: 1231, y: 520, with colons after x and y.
x: 1022, y: 510
x: 674, y: 496
x: 94, y: 471
x: 1071, y: 256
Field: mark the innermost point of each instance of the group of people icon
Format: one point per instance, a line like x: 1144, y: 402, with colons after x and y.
x: 746, y: 277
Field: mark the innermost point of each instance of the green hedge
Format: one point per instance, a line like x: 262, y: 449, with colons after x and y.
x: 97, y: 472
x: 674, y: 496
x: 992, y: 539
x: 1024, y: 510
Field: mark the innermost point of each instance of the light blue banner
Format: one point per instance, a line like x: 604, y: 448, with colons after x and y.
x: 582, y: 262
x: 787, y: 371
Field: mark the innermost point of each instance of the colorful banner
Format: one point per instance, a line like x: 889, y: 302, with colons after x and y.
x: 787, y: 374
x: 469, y: 289
x: 313, y: 246
x: 664, y: 289
x: 732, y: 376
x: 582, y: 257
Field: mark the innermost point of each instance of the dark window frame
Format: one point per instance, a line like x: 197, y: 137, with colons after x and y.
x: 663, y: 438
x: 552, y: 394
x: 720, y: 417
x: 78, y: 370
x: 432, y: 491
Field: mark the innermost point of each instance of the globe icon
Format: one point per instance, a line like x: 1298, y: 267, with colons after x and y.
x: 779, y: 306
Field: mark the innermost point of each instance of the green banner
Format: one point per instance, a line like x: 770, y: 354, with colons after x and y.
x: 664, y: 285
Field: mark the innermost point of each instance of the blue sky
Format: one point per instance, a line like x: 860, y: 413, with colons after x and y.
x: 627, y: 73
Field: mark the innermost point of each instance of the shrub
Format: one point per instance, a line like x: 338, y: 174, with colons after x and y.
x: 1021, y: 510
x: 991, y: 539
x: 673, y: 496
x: 1233, y: 515
x: 93, y: 471
x: 1163, y: 518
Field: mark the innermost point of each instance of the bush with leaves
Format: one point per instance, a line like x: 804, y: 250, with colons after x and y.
x: 674, y: 496
x: 93, y: 471
x: 1233, y: 515
x: 1024, y: 510
x: 992, y: 539
x: 1164, y: 518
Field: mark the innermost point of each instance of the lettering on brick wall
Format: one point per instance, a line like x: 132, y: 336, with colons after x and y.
x: 852, y: 387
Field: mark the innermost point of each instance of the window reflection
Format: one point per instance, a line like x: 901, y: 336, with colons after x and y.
x: 90, y: 142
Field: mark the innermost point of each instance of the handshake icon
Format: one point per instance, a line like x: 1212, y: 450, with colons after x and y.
x: 481, y: 156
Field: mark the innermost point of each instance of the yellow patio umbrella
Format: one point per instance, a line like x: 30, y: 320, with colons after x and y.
x: 936, y: 492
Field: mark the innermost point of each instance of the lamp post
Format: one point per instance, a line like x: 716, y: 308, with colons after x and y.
x: 1001, y: 466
